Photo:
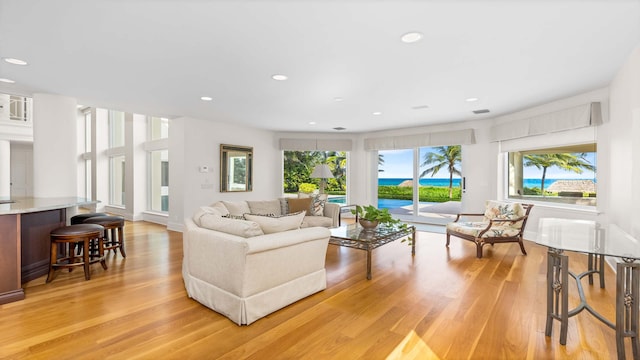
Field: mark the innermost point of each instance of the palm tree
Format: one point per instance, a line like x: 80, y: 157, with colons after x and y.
x: 443, y: 157
x: 574, y: 162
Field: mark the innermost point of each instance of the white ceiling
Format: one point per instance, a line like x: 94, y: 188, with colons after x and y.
x: 159, y: 57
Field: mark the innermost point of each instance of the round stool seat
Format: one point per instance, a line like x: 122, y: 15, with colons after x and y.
x: 113, y: 231
x: 69, y: 236
x: 80, y: 218
x: 79, y: 229
x: 106, y: 220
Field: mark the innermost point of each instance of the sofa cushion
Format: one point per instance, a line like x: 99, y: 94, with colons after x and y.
x: 266, y: 207
x: 237, y: 208
x: 203, y: 211
x: 284, y: 206
x: 297, y: 205
x: 312, y: 221
x: 218, y: 205
x: 474, y: 229
x: 271, y: 224
x: 242, y: 228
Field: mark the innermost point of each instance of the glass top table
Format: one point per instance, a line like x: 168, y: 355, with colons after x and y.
x: 597, y: 240
x: 587, y: 237
x: 355, y: 236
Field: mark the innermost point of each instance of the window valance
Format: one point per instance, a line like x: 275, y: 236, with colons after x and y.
x: 443, y: 138
x: 572, y: 118
x: 316, y: 144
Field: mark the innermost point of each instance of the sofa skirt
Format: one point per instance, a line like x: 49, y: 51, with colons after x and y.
x: 244, y: 311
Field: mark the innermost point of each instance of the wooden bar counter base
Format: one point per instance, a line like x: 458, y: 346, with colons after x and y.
x: 25, y: 224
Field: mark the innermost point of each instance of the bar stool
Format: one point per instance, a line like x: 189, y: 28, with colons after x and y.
x: 113, y: 232
x: 80, y: 218
x: 72, y: 234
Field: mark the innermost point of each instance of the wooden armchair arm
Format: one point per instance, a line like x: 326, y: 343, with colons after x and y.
x: 458, y: 216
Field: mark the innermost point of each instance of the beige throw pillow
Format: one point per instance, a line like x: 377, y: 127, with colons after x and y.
x: 242, y: 228
x: 272, y: 225
x: 203, y: 211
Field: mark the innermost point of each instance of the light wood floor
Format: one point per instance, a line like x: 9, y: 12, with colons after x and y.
x: 442, y: 304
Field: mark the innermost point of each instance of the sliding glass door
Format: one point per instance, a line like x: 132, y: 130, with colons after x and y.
x: 421, y: 184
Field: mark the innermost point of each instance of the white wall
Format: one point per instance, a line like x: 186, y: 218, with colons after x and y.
x: 194, y: 143
x: 623, y: 156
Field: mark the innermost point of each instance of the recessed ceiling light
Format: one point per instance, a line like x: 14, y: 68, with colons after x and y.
x: 411, y: 37
x: 312, y: 122
x: 377, y: 113
x: 338, y: 99
x: 339, y: 128
x: 419, y: 107
x: 206, y: 98
x: 15, y: 61
x: 279, y: 77
x: 471, y: 99
x: 481, y: 111
x: 8, y: 81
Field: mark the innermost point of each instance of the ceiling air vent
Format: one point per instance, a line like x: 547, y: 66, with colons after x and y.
x: 339, y: 128
x: 481, y: 111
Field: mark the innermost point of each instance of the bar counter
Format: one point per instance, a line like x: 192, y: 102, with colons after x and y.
x: 25, y: 224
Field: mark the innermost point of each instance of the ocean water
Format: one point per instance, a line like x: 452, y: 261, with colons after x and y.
x: 530, y: 183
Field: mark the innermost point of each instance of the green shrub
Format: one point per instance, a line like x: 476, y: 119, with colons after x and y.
x: 427, y: 193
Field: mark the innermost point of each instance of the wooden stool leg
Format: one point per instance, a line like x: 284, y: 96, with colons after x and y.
x: 101, y: 252
x: 121, y: 240
x: 85, y: 257
x: 52, y: 260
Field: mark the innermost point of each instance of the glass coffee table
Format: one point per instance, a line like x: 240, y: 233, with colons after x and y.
x: 355, y: 236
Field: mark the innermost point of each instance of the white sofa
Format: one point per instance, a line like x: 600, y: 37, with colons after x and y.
x: 244, y: 272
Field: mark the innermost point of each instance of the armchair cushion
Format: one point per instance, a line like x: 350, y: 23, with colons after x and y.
x: 475, y: 228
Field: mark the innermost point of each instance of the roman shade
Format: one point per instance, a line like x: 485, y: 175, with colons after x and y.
x: 572, y: 118
x: 316, y: 144
x: 443, y: 138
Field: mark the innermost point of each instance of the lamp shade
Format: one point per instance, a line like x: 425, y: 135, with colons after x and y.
x: 322, y: 171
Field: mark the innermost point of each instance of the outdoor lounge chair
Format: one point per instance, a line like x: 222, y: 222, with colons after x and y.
x: 503, y: 222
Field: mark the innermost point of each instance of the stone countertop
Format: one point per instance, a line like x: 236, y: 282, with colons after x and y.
x: 31, y: 204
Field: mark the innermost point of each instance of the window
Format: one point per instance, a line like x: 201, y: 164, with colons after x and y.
x: 298, y: 166
x: 116, y: 180
x: 561, y: 174
x: 158, y: 128
x: 116, y: 129
x: 159, y: 180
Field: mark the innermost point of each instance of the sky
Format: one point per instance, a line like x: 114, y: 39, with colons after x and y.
x: 399, y: 164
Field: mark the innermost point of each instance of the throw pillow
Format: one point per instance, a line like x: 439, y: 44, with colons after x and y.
x: 242, y: 228
x: 284, y: 206
x: 265, y: 207
x: 237, y: 208
x: 272, y: 225
x: 317, y: 203
x: 296, y: 205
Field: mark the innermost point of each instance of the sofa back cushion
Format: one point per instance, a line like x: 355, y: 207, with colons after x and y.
x: 270, y: 224
x: 237, y: 208
x: 242, y: 228
x: 265, y: 207
x: 204, y: 210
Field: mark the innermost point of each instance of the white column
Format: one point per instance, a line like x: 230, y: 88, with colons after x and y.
x: 54, y: 146
x: 5, y: 168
